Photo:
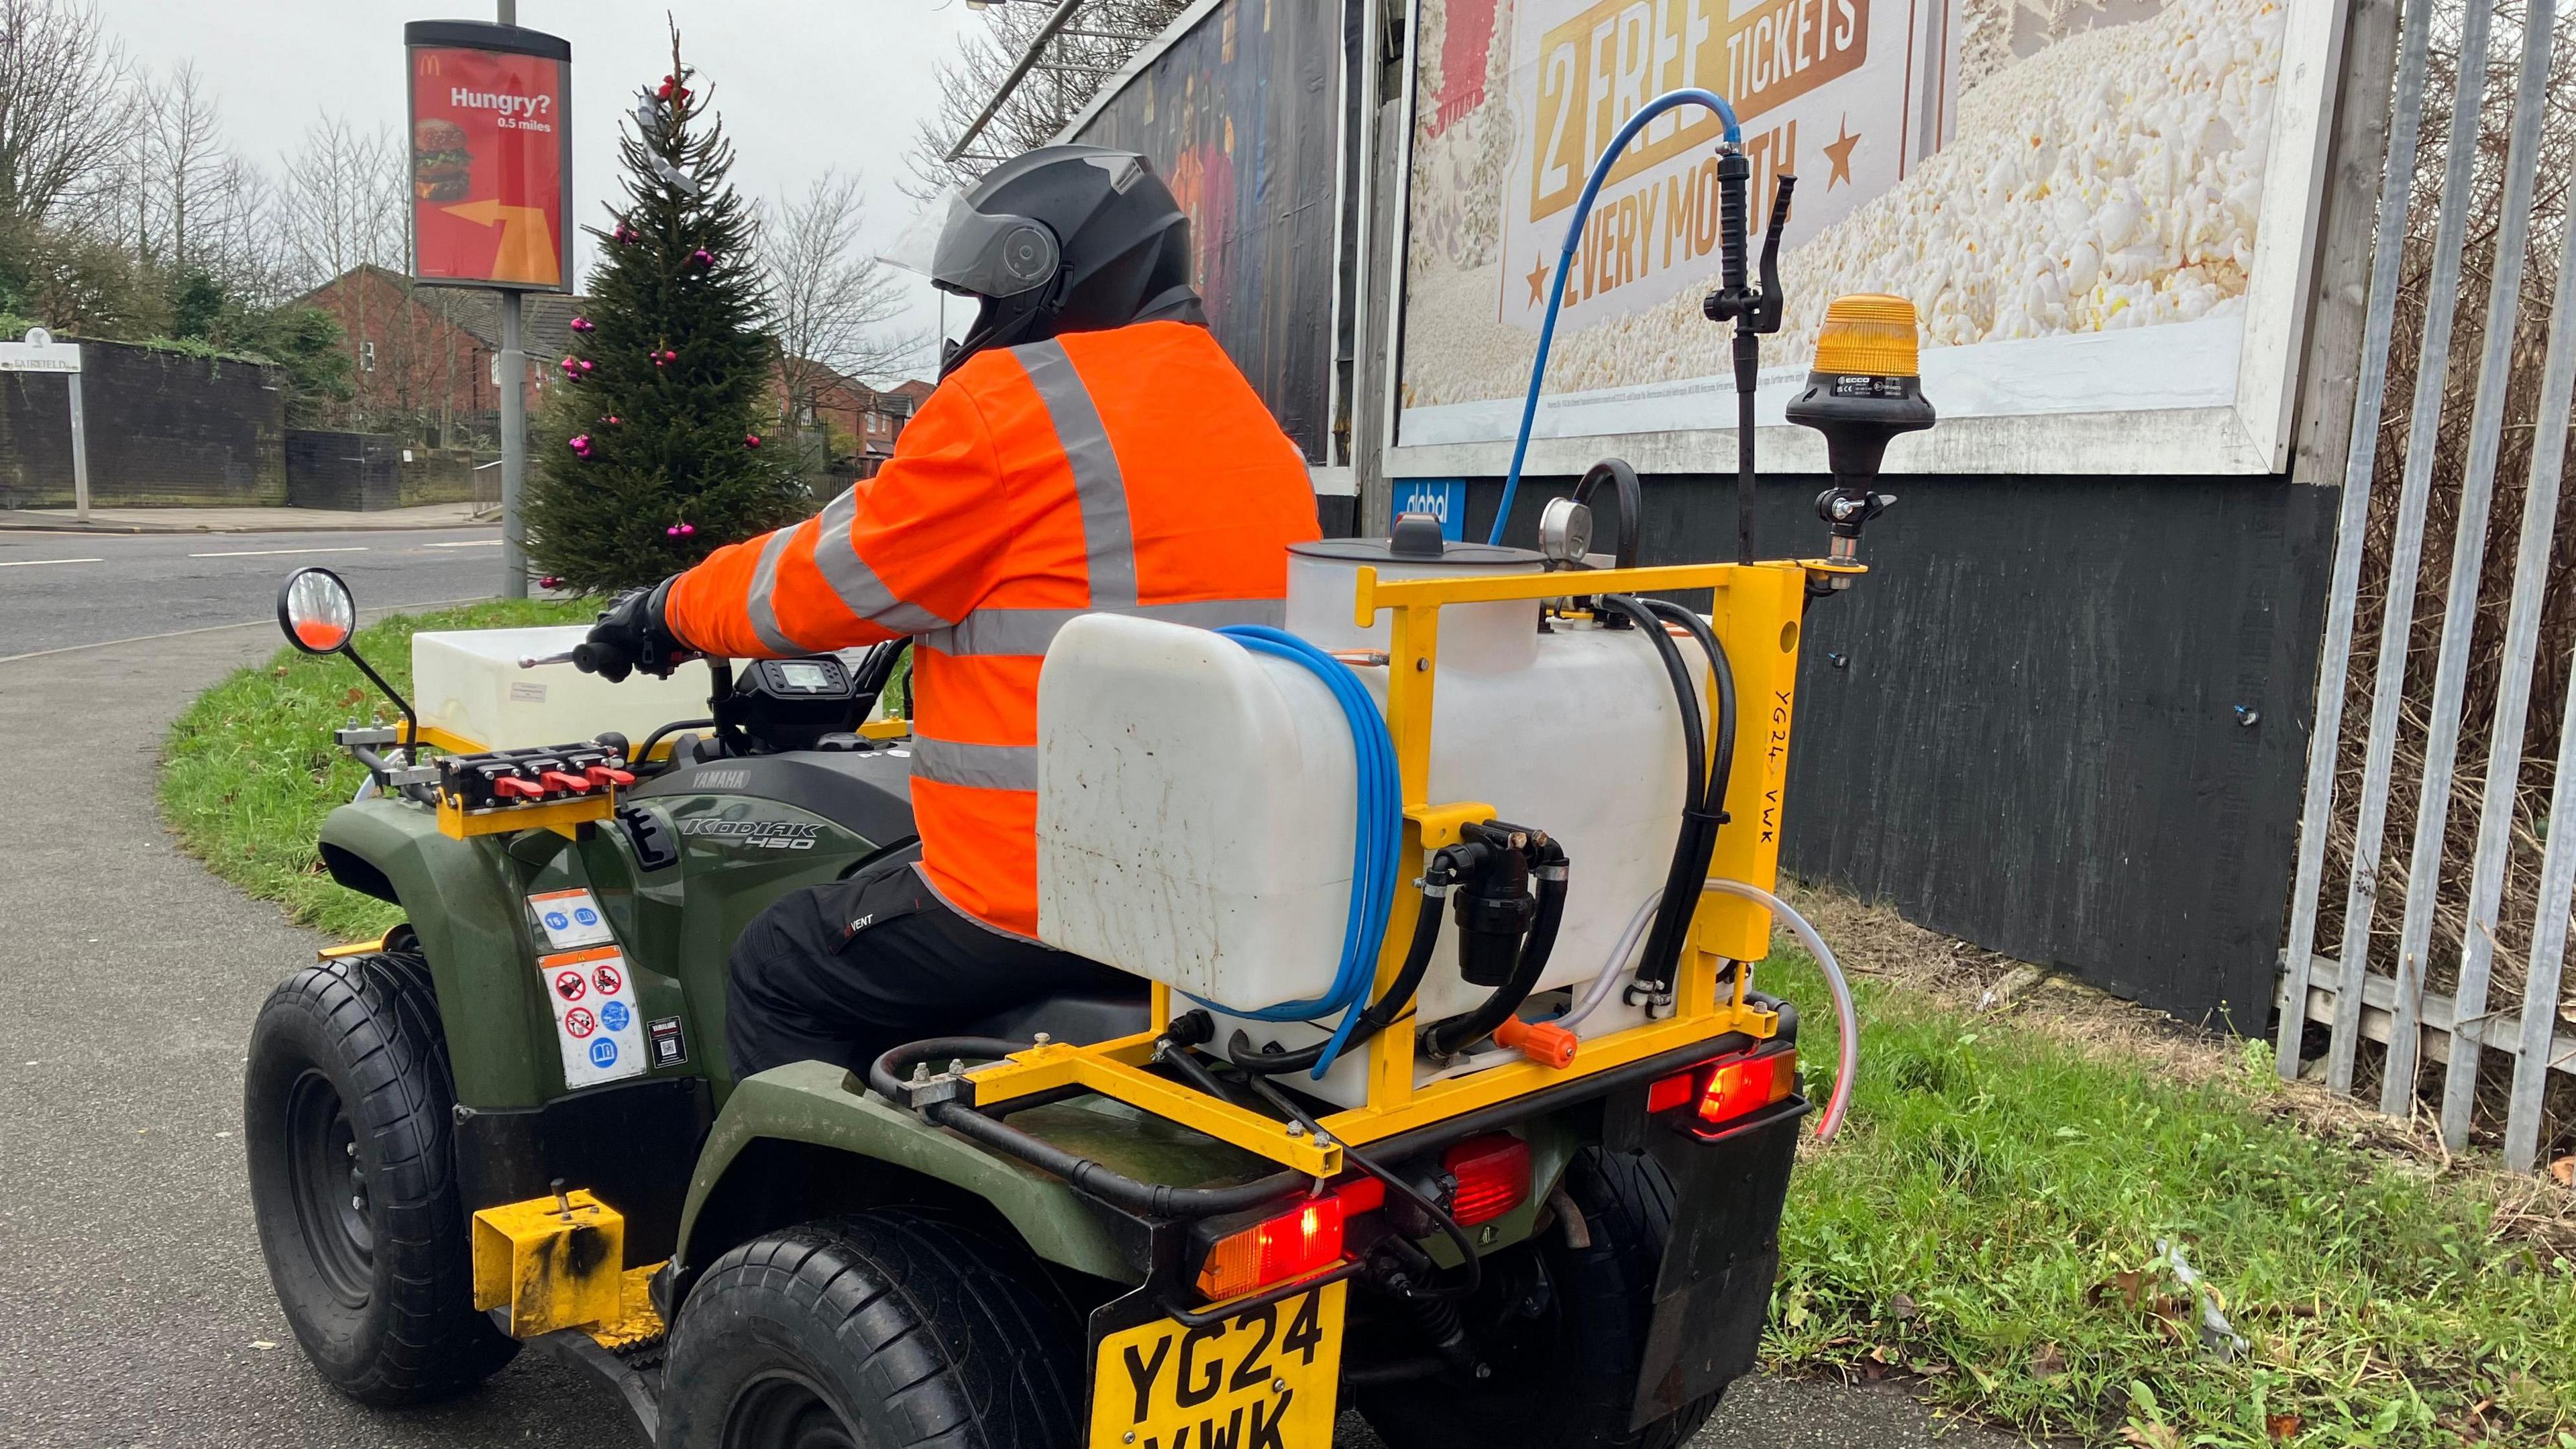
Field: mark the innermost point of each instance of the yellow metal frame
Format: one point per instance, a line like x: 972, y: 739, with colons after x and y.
x: 1756, y: 614
x: 564, y: 817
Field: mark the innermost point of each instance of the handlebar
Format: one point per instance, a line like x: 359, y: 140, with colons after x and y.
x: 526, y: 662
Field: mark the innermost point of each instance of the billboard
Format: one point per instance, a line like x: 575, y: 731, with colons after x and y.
x: 491, y: 155
x: 2102, y: 211
x: 1238, y: 106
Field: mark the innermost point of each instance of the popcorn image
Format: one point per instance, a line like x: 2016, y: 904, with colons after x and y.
x: 2109, y: 180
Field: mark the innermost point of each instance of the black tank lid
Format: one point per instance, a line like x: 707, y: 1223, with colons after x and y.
x: 1417, y: 542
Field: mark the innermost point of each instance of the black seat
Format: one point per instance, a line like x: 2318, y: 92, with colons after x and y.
x: 1080, y: 1017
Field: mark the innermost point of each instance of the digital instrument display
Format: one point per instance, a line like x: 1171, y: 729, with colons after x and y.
x: 800, y: 674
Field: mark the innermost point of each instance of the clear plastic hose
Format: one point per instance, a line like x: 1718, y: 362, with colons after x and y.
x: 1616, y: 966
x: 1846, y: 1018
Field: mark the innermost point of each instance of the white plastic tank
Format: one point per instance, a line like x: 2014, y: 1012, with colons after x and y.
x: 1196, y: 800
x: 469, y: 683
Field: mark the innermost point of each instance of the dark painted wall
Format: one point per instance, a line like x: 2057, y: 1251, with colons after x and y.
x: 2021, y: 728
x: 164, y: 427
x: 342, y: 470
x: 1240, y: 117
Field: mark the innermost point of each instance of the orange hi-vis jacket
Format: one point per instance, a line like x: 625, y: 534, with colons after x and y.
x: 1132, y: 471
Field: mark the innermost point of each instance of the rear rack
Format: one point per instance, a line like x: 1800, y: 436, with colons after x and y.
x: 1757, y: 611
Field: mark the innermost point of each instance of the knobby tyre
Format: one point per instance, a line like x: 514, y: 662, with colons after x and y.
x: 887, y: 1328
x: 348, y: 1109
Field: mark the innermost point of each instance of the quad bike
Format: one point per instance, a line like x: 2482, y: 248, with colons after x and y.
x: 1503, y: 1186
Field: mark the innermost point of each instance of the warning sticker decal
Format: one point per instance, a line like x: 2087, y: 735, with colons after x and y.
x: 570, y: 919
x: 595, y: 1019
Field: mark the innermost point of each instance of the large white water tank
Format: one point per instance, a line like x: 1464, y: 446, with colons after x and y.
x: 1196, y: 800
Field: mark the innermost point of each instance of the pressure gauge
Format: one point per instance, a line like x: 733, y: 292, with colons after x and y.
x: 1565, y: 531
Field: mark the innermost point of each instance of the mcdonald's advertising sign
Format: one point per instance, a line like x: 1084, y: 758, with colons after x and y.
x: 491, y: 155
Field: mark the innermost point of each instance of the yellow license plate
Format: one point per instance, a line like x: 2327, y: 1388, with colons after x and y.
x: 1261, y: 1379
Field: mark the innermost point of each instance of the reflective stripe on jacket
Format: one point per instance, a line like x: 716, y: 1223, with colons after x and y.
x: 1131, y: 471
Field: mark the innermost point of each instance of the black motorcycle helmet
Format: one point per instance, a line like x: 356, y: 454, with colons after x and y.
x: 1062, y: 239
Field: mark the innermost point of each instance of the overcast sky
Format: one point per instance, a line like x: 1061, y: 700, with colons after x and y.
x: 802, y: 85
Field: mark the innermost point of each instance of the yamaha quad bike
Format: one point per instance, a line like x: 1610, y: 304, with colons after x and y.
x: 510, y: 1120
x: 1445, y: 1091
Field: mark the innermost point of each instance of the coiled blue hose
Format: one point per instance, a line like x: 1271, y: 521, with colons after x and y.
x: 1375, y: 843
x: 1687, y: 96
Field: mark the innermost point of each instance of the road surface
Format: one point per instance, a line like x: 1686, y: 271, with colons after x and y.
x: 59, y: 590
x: 134, y: 1309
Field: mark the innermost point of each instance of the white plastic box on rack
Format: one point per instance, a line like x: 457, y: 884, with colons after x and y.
x: 469, y: 683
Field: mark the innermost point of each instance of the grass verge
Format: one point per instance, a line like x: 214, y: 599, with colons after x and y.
x: 249, y: 770
x: 1989, y: 1221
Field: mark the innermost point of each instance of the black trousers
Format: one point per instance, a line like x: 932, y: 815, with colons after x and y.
x: 844, y: 972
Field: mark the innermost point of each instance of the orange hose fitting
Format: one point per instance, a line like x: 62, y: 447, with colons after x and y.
x: 1543, y: 1042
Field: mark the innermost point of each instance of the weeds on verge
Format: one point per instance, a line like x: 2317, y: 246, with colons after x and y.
x: 1989, y: 1222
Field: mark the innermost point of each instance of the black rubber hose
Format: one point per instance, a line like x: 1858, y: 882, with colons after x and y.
x: 1439, y: 1215
x: 1632, y: 505
x: 1381, y: 1013
x: 1085, y: 1176
x: 1450, y: 1035
x: 1711, y: 811
x: 644, y: 753
x: 1681, y: 889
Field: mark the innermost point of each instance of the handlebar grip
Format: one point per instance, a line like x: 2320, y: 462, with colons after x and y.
x: 1734, y: 171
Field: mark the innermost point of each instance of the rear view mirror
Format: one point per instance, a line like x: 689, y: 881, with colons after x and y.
x: 317, y: 612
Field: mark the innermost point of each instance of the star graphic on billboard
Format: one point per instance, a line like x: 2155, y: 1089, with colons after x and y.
x: 1839, y: 152
x: 1538, y: 282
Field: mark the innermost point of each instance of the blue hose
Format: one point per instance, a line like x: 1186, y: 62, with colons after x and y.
x: 1565, y: 262
x: 1375, y: 843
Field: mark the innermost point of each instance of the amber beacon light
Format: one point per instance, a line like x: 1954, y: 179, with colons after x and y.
x: 1865, y: 389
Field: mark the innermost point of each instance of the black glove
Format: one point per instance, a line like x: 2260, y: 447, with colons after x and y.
x: 630, y: 635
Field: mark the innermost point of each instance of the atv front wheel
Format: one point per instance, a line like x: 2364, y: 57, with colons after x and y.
x: 886, y: 1327
x: 1562, y: 1376
x: 347, y: 1106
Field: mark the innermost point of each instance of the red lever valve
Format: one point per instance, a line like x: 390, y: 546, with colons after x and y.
x: 605, y: 775
x: 511, y: 787
x: 558, y: 780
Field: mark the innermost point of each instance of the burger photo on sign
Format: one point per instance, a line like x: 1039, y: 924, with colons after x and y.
x: 442, y: 169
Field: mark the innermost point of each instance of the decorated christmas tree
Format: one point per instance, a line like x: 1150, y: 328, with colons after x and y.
x: 649, y: 450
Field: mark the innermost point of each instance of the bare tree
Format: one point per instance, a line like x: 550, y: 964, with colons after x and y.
x: 1073, y: 67
x: 341, y: 201
x: 62, y: 88
x: 188, y: 161
x: 829, y: 297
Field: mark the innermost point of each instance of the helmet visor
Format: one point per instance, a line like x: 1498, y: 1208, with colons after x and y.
x: 965, y: 250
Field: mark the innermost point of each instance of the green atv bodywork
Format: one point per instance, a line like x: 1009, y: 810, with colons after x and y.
x: 789, y: 1145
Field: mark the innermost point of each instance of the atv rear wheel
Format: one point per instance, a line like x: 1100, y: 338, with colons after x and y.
x: 347, y: 1106
x: 893, y: 1326
x: 1564, y: 1376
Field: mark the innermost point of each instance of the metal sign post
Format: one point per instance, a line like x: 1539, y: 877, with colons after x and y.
x: 490, y: 107
x: 514, y: 418
x: 41, y: 353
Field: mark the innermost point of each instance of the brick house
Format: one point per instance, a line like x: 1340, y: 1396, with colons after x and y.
x: 427, y: 359
x: 860, y: 423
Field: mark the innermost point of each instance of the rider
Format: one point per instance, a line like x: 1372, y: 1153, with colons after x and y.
x: 1089, y: 448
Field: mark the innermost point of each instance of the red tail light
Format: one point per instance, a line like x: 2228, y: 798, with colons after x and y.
x: 1747, y: 1084
x: 1493, y: 1174
x: 1306, y: 1238
x: 1729, y: 1089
